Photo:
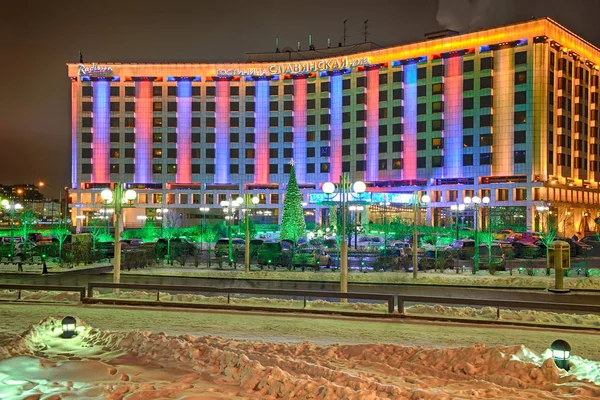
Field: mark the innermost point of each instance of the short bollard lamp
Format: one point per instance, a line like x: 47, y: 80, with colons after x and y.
x: 69, y: 327
x: 561, y: 352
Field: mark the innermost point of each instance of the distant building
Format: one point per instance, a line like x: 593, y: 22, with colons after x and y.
x: 21, y: 193
x: 510, y: 113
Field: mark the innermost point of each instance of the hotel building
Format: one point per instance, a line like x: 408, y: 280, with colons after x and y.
x: 510, y: 113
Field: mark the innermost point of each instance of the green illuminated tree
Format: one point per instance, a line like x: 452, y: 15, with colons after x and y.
x: 293, y: 226
x: 60, y: 232
x: 28, y: 220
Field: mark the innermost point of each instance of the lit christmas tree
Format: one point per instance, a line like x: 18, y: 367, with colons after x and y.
x: 293, y: 226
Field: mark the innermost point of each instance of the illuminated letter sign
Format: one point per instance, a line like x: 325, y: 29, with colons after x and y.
x: 300, y: 67
x: 95, y: 70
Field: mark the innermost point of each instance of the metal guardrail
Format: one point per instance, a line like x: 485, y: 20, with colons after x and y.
x: 497, y: 303
x: 390, y: 298
x: 46, y: 288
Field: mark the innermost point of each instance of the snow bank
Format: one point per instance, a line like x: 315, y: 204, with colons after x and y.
x: 136, y: 365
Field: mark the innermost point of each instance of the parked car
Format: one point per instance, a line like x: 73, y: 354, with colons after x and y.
x: 132, y: 243
x: 592, y: 240
x: 525, y: 249
x: 370, y: 243
x: 497, y: 261
x: 528, y: 237
x: 179, y: 247
x: 503, y: 234
x: 578, y: 248
x: 462, y: 249
x: 311, y: 257
x: 222, y: 247
x: 254, y: 246
x: 274, y: 253
x: 445, y: 260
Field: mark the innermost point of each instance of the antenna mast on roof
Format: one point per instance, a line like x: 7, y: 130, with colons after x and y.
x: 366, y: 29
x: 80, y: 57
x: 311, y: 46
x: 276, y: 44
x: 345, y: 31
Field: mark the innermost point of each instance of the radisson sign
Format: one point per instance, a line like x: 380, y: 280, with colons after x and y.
x: 95, y: 70
x: 300, y: 67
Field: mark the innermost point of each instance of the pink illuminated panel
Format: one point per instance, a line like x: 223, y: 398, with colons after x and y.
x: 74, y: 149
x: 300, y: 128
x: 372, y: 125
x: 504, y: 107
x: 184, y: 131
x: 101, y: 131
x: 222, y: 131
x: 453, y: 116
x: 143, y: 131
x: 261, y: 129
x: 336, y: 127
x: 409, y: 159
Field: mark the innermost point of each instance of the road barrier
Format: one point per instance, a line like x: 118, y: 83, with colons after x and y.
x: 45, y: 288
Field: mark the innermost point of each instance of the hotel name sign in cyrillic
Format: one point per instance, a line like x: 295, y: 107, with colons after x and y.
x: 300, y: 67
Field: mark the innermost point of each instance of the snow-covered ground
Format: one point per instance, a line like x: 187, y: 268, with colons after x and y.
x: 134, y: 364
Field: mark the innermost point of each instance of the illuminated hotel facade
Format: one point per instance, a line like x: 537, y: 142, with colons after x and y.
x: 510, y: 113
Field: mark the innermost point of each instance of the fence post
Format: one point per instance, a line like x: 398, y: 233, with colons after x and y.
x: 228, y: 294
x: 391, y: 304
x: 400, y: 305
x: 157, y: 294
x: 19, y: 295
x: 498, y: 312
x: 304, y: 302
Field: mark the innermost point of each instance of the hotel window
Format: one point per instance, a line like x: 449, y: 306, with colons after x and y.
x: 421, y: 91
x: 129, y: 122
x: 210, y: 153
x: 234, y: 106
x: 234, y: 153
x: 310, y: 136
x: 345, y: 166
x: 249, y: 168
x: 114, y: 137
x: 485, y: 82
x: 86, y: 106
x: 87, y: 91
x: 273, y: 122
x: 383, y: 130
x: 273, y: 168
x: 468, y: 66
x: 437, y: 70
x: 502, y: 195
x: 382, y: 147
x: 211, y: 90
x: 468, y: 84
x: 250, y: 106
x: 288, y: 89
x: 324, y: 151
x: 171, y: 137
x: 87, y: 122
x: 114, y: 153
x: 520, y: 194
x: 521, y: 57
x: 234, y: 137
x: 422, y: 73
x: 115, y: 106
x: 345, y: 100
x: 288, y: 105
x: 520, y: 97
x: 467, y: 122
x: 129, y: 106
x: 157, y: 90
x: 324, y: 103
x: 172, y: 106
x: 383, y: 78
x: 273, y: 137
x: 361, y: 132
x: 130, y: 169
x: 310, y: 120
x: 437, y: 125
x: 421, y: 162
x: 171, y: 90
x: 360, y: 165
x: 249, y: 90
x: 310, y: 88
x: 273, y: 106
x: 114, y: 122
x: 437, y: 143
x: 196, y: 153
x: 157, y: 137
x: 382, y: 165
x: 86, y: 168
x: 486, y: 63
x: 578, y: 163
x: 485, y: 159
x: 129, y: 137
x: 468, y: 141
x: 156, y: 168
x: 361, y: 81
x: 520, y: 77
x: 346, y: 117
x: 346, y: 149
x: 421, y: 109
x: 310, y: 168
x: 397, y: 163
x: 421, y: 144
x: 129, y: 91
x: 397, y: 146
x: 467, y: 160
x: 397, y: 112
x: 310, y: 104
x: 287, y: 152
x: 157, y: 106
x: 437, y: 88
x: 114, y: 168
x: 156, y: 153
x: 210, y: 169
x: 233, y: 122
x: 129, y: 153
x: 195, y: 90
x: 157, y: 122
x: 324, y: 87
x: 397, y: 94
x: 485, y: 101
x: 171, y: 168
x: 114, y: 90
x: 520, y: 137
x: 520, y: 117
x: 421, y: 127
x: 172, y: 122
x: 485, y: 140
x: 273, y: 91
x: 234, y: 169
x: 397, y: 76
x: 196, y: 122
x: 437, y: 106
x: 310, y: 151
x: 468, y: 103
x: 324, y: 167
x: 360, y: 148
x: 234, y: 90
x: 346, y: 84
x: 486, y: 120
x: 288, y: 137
x: 397, y: 129
x: 325, y: 118
x: 273, y: 153
x: 360, y: 99
x: 383, y: 113
x: 86, y: 153
x: 520, y: 157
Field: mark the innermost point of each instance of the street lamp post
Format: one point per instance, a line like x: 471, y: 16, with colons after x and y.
x: 356, y: 210
x: 457, y: 208
x: 417, y: 204
x: 11, y: 206
x: 249, y: 202
x: 118, y: 199
x: 203, y: 210
x: 229, y: 208
x: 476, y: 202
x: 344, y: 188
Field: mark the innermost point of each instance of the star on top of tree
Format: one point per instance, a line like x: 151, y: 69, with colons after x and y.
x: 292, y: 161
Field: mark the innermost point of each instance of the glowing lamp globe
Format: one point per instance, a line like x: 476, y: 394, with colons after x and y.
x: 328, y: 187
x: 18, y: 206
x: 130, y: 195
x: 224, y: 203
x: 69, y: 327
x: 359, y: 187
x: 425, y: 199
x: 476, y: 200
x: 239, y: 200
x: 4, y: 203
x: 467, y: 200
x: 106, y: 195
x: 561, y: 352
x: 255, y: 200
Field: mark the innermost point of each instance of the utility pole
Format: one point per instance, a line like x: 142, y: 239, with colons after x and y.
x: 366, y: 29
x: 345, y: 31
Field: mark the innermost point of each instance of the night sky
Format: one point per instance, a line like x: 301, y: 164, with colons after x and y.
x: 38, y: 37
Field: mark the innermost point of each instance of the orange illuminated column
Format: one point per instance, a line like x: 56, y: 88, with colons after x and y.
x: 453, y: 117
x: 372, y: 124
x: 504, y: 107
x: 222, y: 131
x: 143, y: 130
x: 74, y: 150
x: 300, y: 127
x: 409, y: 159
x: 335, y: 171
x: 101, y: 131
x: 261, y: 129
x: 184, y: 131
